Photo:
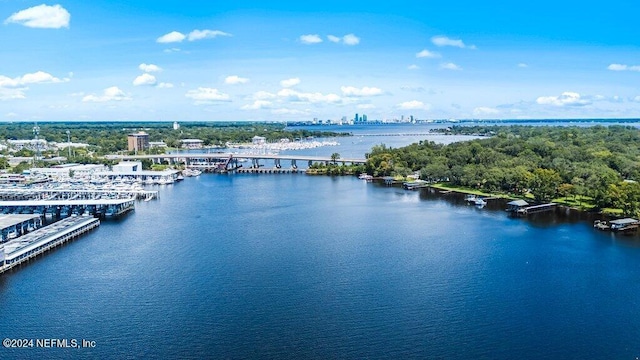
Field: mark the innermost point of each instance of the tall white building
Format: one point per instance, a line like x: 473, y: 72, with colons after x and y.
x: 176, y: 126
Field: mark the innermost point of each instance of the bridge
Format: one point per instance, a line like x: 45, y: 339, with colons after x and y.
x: 229, y: 161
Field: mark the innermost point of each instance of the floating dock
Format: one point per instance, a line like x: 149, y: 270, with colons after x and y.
x: 20, y: 194
x: 26, y: 247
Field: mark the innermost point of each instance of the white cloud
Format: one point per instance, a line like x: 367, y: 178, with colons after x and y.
x: 41, y: 16
x: 365, y: 91
x: 149, y: 67
x: 11, y: 94
x: 428, y: 54
x: 164, y: 85
x: 295, y: 96
x: 11, y: 115
x: 637, y: 98
x: 483, y: 110
x: 263, y: 95
x: 235, y: 79
x: 171, y: 50
x: 204, y: 95
x: 413, y: 67
x: 257, y: 105
x: 566, y: 99
x: 109, y: 94
x: 450, y: 66
x: 205, y: 34
x: 621, y: 67
x: 523, y: 65
x: 290, y: 82
x: 284, y: 111
x: 144, y: 79
x: 310, y: 39
x: 445, y: 41
x: 171, y: 37
x: 350, y: 39
x: 37, y: 77
x: 414, y: 105
x: 366, y: 106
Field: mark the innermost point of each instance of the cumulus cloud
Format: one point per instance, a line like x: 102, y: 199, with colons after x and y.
x: 164, y: 85
x: 235, y: 79
x: 171, y: 37
x: 445, y: 41
x: 349, y: 39
x: 205, y: 95
x: 258, y: 105
x: 263, y: 95
x: 413, y: 67
x: 414, y: 105
x: 11, y: 94
x: 109, y: 94
x: 483, y: 110
x: 149, y: 68
x: 567, y: 98
x: 450, y: 66
x: 290, y: 82
x: 42, y: 16
x: 310, y: 39
x: 622, y: 67
x: 144, y: 79
x: 176, y: 36
x: 205, y: 34
x: 29, y: 78
x: 428, y: 54
x: 365, y: 91
x: 295, y: 96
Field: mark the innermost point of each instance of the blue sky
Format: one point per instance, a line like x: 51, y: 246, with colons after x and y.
x: 255, y: 60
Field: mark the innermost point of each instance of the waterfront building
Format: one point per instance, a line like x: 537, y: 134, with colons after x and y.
x: 31, y: 144
x: 128, y: 166
x: 192, y: 143
x: 138, y: 141
x: 157, y: 144
x: 261, y: 140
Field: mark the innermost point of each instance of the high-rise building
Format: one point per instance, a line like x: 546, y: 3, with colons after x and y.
x: 176, y: 126
x: 355, y: 119
x: 138, y: 141
x: 364, y: 117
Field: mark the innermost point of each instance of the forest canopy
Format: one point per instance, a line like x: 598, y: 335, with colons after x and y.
x: 600, y: 162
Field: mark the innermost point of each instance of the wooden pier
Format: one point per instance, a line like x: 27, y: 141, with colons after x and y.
x: 26, y: 247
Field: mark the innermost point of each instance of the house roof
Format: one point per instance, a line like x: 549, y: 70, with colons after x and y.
x: 625, y: 221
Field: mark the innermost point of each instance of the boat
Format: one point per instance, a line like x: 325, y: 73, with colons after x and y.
x: 110, y: 212
x: 601, y: 225
x: 480, y: 201
x: 470, y: 198
x: 12, y: 234
x: 365, y: 176
x: 50, y: 213
x: 65, y: 212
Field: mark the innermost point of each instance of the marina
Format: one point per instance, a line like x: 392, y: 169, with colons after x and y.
x: 26, y: 247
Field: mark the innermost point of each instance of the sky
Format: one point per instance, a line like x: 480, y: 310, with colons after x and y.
x: 281, y: 61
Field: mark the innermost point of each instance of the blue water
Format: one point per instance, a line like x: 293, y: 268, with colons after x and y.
x: 295, y: 266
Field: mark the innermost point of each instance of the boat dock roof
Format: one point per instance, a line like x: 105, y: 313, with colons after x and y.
x: 10, y: 220
x: 625, y: 221
x: 66, y: 202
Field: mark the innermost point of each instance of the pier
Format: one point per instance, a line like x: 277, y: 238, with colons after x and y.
x: 23, y: 194
x: 26, y: 247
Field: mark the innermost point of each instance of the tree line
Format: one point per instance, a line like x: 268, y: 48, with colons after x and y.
x: 598, y: 162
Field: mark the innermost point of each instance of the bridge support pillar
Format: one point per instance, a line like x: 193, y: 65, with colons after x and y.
x: 310, y: 163
x: 276, y: 162
x: 293, y: 164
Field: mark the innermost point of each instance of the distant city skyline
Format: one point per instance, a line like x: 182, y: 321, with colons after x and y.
x: 160, y: 61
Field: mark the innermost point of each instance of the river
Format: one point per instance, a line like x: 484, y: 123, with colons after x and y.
x: 297, y: 267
